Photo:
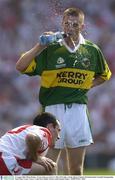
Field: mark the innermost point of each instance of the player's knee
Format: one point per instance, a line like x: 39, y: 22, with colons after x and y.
x: 76, y: 170
x: 53, y: 171
x: 38, y: 169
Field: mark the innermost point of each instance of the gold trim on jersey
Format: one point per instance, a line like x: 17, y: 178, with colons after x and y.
x: 67, y: 77
x: 31, y: 67
x: 106, y: 74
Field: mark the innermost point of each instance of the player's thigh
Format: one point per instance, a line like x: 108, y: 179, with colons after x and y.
x: 76, y: 156
x: 54, y: 154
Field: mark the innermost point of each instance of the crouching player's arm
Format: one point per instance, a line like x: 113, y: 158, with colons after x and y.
x: 41, y: 164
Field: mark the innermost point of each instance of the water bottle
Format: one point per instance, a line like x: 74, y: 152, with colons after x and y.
x: 46, y: 39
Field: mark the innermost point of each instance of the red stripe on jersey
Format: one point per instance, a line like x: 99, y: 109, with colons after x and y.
x: 20, y: 129
x: 41, y: 151
x: 48, y: 135
x: 3, y: 168
x: 24, y: 163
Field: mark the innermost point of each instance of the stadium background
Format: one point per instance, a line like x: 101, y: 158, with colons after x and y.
x: 21, y: 22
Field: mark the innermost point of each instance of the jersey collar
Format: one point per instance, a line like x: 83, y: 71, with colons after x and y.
x: 81, y: 41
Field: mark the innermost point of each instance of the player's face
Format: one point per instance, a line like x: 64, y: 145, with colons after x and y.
x: 72, y: 25
x: 55, y: 133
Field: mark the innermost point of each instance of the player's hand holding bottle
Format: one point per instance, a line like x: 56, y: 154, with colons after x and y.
x: 50, y: 37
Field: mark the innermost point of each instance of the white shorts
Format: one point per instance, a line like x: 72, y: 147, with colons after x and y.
x: 75, y: 126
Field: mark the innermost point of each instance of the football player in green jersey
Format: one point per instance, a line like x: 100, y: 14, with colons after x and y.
x: 69, y: 68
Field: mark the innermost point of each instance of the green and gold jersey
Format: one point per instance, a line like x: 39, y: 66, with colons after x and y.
x: 66, y: 77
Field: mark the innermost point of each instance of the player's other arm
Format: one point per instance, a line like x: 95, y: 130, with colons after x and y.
x: 25, y: 60
x: 34, y: 143
x: 105, y: 76
x: 98, y: 81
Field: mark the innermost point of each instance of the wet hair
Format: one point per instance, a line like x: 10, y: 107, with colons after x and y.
x: 74, y: 12
x: 45, y: 118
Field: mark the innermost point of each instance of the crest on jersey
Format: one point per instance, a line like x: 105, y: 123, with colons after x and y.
x: 85, y: 62
x: 60, y: 63
x: 60, y: 60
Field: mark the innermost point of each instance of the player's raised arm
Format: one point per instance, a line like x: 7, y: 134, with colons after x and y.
x: 43, y: 41
x: 25, y: 60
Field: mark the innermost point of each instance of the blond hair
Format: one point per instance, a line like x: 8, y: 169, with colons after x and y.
x: 74, y: 12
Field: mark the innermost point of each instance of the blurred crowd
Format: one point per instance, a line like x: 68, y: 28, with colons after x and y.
x: 21, y: 23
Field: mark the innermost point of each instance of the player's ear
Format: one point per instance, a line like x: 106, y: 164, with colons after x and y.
x: 82, y: 27
x: 49, y: 126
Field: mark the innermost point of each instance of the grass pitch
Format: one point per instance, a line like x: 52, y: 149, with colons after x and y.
x: 99, y: 172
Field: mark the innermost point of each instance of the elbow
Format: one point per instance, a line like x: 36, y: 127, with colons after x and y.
x: 19, y: 67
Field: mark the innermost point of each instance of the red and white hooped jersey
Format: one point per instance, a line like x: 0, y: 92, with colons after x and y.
x: 13, y: 149
x: 13, y: 142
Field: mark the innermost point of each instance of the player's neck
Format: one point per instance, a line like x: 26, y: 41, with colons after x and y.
x: 75, y: 39
x: 72, y: 41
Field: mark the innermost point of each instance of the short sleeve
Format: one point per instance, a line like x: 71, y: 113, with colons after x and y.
x: 102, y: 66
x: 37, y: 65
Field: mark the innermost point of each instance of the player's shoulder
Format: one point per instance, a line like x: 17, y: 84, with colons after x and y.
x: 91, y: 44
x: 40, y: 128
x: 53, y: 45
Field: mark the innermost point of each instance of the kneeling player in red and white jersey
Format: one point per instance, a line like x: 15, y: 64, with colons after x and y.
x: 23, y: 149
